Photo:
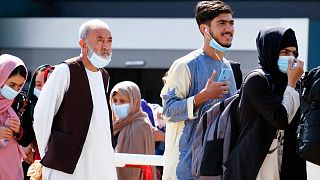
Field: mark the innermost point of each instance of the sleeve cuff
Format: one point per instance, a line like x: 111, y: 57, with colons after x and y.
x: 292, y: 91
x: 291, y: 102
x: 192, y: 113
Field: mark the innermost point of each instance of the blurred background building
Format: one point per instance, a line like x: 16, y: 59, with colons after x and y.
x: 148, y: 35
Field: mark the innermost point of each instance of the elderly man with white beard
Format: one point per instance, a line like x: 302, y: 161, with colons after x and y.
x: 72, y: 116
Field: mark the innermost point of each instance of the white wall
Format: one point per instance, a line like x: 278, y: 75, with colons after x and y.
x: 139, y: 33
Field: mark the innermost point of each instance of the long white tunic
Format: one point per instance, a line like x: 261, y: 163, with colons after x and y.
x: 97, y: 157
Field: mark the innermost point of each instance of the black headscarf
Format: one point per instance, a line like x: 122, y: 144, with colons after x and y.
x: 31, y: 96
x: 289, y: 40
x: 269, y: 43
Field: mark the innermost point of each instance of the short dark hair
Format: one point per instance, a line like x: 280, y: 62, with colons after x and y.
x: 21, y: 70
x: 205, y: 11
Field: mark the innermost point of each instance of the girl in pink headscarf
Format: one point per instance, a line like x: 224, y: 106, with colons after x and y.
x: 13, y: 74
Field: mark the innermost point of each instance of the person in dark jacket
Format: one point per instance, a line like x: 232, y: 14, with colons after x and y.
x: 29, y: 139
x: 268, y: 113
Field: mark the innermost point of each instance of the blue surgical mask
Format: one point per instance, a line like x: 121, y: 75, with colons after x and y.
x: 121, y: 110
x: 36, y: 92
x: 214, y: 44
x: 8, y: 92
x: 96, y: 60
x: 283, y: 62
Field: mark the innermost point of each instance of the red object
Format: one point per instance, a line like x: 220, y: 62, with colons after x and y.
x: 46, y: 72
x: 36, y: 153
x: 146, y: 170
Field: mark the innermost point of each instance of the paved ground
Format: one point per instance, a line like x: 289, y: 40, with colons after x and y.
x: 313, y: 171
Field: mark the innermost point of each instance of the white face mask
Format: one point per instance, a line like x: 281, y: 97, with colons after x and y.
x: 8, y: 92
x: 283, y: 62
x: 214, y: 44
x: 36, y: 92
x: 121, y: 110
x: 96, y: 60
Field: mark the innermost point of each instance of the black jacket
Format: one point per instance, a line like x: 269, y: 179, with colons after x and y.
x: 27, y: 117
x: 261, y: 112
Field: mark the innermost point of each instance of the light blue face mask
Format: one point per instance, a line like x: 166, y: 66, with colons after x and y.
x: 8, y: 92
x: 214, y: 44
x: 36, y: 92
x: 96, y: 60
x: 283, y: 62
x: 121, y: 110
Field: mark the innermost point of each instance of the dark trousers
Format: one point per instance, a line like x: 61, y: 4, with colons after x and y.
x: 25, y: 167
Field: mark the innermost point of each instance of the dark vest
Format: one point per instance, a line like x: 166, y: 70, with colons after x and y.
x: 71, y: 123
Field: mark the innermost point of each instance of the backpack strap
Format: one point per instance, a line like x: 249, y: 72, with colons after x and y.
x: 267, y: 77
x: 222, y: 107
x: 106, y: 78
x: 204, y: 126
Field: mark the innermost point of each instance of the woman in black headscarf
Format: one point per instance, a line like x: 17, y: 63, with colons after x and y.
x: 268, y: 110
x: 38, y: 79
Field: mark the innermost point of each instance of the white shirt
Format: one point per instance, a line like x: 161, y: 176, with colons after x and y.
x: 97, y: 158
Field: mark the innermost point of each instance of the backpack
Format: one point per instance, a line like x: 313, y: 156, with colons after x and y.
x: 216, y: 135
x: 237, y: 73
x: 308, y: 134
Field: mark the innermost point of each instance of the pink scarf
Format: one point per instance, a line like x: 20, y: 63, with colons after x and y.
x: 7, y: 64
x: 10, y: 164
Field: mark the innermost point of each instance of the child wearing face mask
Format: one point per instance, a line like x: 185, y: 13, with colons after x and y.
x: 13, y: 74
x: 132, y: 128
